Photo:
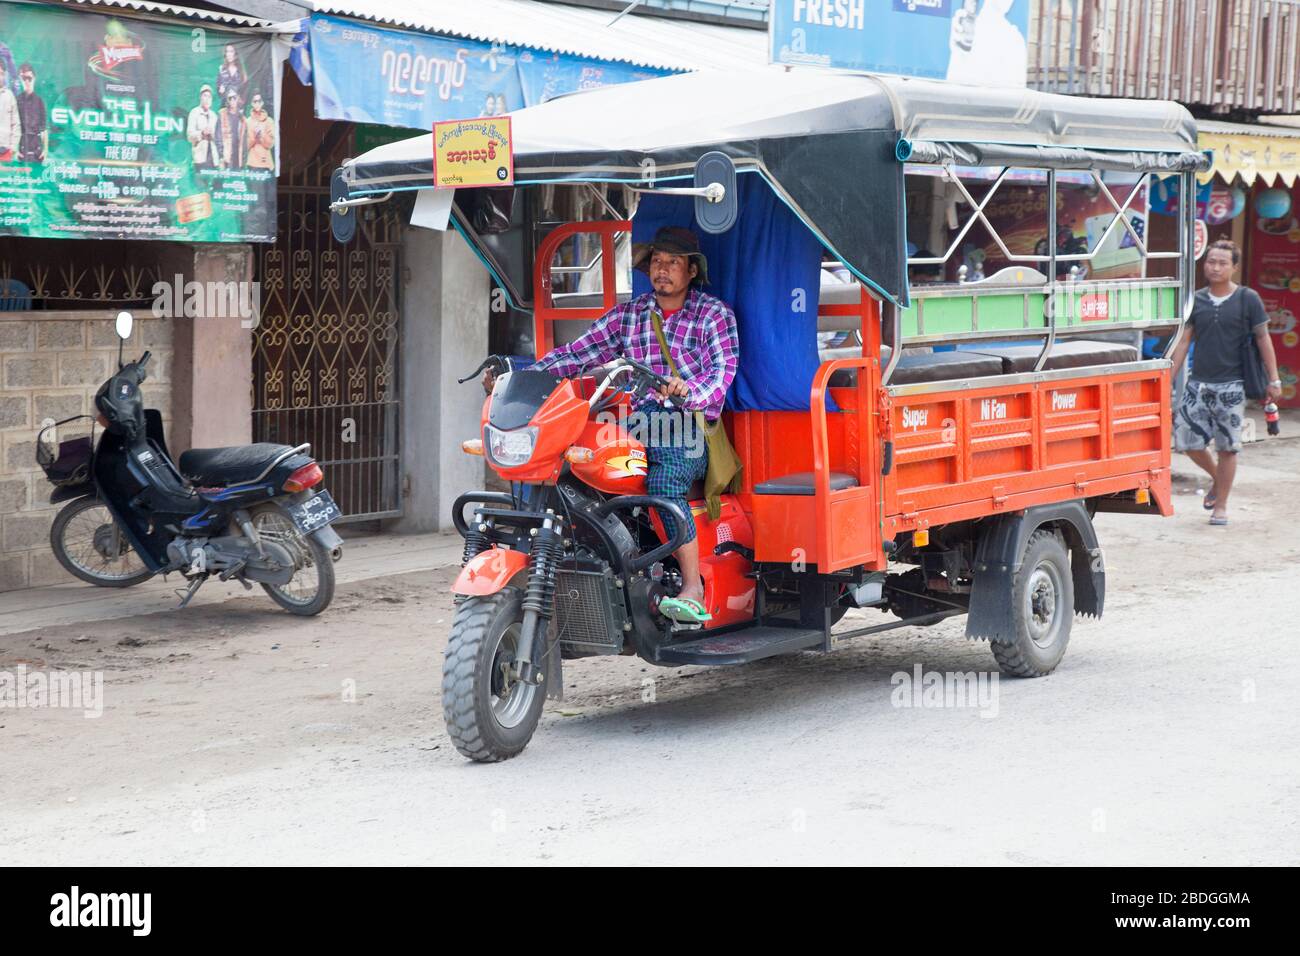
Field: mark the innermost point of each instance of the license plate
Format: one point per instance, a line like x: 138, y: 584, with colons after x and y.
x: 314, y: 513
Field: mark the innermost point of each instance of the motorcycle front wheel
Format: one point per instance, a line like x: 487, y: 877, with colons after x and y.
x: 311, y: 588
x: 490, y: 716
x: 91, y: 546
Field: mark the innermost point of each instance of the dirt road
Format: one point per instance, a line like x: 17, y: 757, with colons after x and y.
x: 233, y: 733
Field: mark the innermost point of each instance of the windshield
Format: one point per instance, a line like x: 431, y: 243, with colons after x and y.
x: 517, y: 396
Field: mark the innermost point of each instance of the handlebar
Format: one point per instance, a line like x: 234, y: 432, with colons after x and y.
x: 498, y: 364
x: 644, y: 377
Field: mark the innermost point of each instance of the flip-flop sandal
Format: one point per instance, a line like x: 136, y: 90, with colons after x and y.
x: 1219, y: 521
x: 1209, y: 501
x: 684, y: 611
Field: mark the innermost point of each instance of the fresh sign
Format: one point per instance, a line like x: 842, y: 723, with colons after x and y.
x: 964, y: 41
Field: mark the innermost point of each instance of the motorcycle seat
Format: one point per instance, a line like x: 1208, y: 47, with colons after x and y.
x: 230, y: 466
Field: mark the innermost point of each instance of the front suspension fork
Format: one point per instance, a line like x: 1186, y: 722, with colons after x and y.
x: 539, y: 597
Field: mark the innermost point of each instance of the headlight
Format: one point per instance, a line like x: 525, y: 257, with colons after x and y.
x: 510, y: 448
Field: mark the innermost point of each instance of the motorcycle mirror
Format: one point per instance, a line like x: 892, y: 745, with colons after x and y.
x: 125, y: 320
x: 343, y: 221
x: 716, y: 213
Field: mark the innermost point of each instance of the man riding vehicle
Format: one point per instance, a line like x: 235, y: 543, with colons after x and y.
x: 700, y: 332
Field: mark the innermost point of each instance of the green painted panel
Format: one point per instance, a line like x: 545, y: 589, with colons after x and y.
x: 1037, y: 311
x: 1001, y: 312
x: 941, y: 315
x: 953, y: 314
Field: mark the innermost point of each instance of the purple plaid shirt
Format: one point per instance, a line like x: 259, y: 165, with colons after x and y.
x: 701, y: 335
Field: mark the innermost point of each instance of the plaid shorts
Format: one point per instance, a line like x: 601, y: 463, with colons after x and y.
x: 1210, y: 410
x: 672, y: 470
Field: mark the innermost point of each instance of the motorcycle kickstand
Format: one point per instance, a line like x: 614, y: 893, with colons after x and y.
x: 190, y: 591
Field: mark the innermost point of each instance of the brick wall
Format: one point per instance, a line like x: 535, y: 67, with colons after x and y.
x: 51, y: 363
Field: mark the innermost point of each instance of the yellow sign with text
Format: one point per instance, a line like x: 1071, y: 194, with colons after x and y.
x: 473, y: 152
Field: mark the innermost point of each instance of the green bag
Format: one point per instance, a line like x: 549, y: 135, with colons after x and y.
x: 723, y: 474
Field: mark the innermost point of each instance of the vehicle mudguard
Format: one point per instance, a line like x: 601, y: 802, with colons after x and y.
x: 489, y: 571
x: 997, y: 560
x: 69, y: 492
x: 328, y: 537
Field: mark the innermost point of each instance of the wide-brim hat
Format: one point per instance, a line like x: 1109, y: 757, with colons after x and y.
x: 677, y: 241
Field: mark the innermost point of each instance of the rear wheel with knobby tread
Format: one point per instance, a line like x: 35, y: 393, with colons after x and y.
x: 1042, y: 606
x: 489, y: 716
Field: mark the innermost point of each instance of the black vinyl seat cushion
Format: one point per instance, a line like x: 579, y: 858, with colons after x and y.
x: 1070, y: 353
x: 801, y: 483
x: 918, y: 367
x: 229, y: 466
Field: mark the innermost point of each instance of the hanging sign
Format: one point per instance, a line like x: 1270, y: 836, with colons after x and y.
x: 473, y: 152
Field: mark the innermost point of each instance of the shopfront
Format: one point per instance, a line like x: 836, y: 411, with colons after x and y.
x: 137, y: 171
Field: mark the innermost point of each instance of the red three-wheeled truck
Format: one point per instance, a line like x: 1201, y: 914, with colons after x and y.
x: 927, y: 425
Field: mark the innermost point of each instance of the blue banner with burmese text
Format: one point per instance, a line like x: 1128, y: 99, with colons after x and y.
x: 372, y: 75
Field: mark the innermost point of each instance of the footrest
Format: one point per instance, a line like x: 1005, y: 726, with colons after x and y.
x: 741, y: 647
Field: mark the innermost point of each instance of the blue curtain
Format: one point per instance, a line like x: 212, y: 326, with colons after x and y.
x: 767, y: 268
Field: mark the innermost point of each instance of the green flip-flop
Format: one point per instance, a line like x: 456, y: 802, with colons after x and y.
x: 684, y: 610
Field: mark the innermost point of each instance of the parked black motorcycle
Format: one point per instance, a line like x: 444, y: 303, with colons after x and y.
x: 247, y: 513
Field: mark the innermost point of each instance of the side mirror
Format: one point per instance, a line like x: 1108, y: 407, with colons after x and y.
x: 343, y: 222
x: 715, y: 216
x: 125, y: 322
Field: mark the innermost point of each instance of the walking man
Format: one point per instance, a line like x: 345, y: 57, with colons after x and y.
x: 1213, y: 405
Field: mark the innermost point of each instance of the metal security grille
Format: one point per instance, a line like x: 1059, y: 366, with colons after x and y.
x: 325, y: 355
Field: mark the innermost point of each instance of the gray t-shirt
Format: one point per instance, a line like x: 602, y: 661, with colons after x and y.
x: 1221, y: 330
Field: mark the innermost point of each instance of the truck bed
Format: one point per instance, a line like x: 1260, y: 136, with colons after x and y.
x: 964, y: 450
x: 929, y: 453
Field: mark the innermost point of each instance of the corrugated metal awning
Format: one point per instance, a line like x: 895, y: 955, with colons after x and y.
x: 1250, y: 151
x: 170, y: 10
x: 642, y: 41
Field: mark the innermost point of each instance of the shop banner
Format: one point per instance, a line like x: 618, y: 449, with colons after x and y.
x: 1236, y: 154
x: 369, y: 75
x: 113, y: 128
x: 546, y: 77
x: 977, y: 42
x: 1274, y: 272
